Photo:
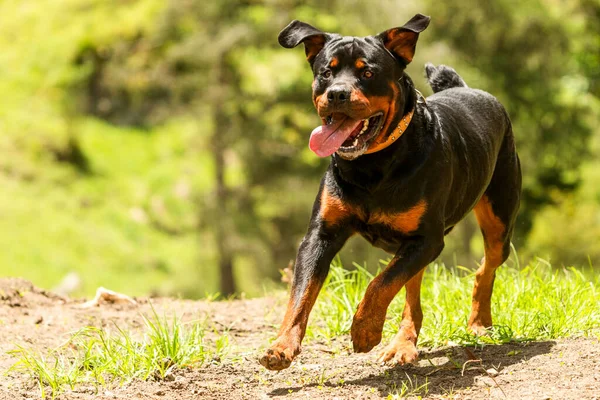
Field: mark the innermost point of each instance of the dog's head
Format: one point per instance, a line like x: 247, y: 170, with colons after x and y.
x: 356, y: 86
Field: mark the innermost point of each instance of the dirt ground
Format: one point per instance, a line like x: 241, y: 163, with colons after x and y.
x: 561, y: 369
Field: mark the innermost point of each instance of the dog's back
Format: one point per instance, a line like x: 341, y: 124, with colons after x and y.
x: 471, y: 110
x: 476, y: 129
x: 465, y: 111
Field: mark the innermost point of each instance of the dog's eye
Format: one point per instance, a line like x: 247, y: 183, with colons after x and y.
x: 368, y: 74
x: 326, y: 74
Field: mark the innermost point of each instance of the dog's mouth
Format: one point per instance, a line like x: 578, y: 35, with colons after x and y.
x: 359, y: 141
x: 348, y: 137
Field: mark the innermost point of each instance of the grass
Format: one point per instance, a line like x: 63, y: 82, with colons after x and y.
x: 408, y: 387
x: 535, y: 302
x: 100, y: 357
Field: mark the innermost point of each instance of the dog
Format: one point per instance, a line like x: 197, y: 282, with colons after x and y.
x: 404, y: 171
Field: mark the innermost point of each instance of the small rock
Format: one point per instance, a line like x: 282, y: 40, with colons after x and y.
x: 492, y: 372
x: 484, y: 381
x: 169, y: 377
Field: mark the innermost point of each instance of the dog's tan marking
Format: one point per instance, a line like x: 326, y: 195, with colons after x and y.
x: 402, y: 43
x: 362, y: 107
x: 333, y: 209
x: 389, y: 105
x: 494, y: 235
x: 403, y: 348
x: 312, y: 46
x: 293, y: 328
x: 367, y: 324
x: 320, y: 101
x: 406, y: 222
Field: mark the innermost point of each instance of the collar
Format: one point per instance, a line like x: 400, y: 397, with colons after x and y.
x: 398, y: 131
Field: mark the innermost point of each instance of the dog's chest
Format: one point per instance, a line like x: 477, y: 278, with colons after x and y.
x: 406, y: 221
x: 382, y: 228
x: 387, y: 230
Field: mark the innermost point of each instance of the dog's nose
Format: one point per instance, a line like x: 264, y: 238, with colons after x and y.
x: 338, y: 95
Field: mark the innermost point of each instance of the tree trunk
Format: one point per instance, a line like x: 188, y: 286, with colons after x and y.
x: 225, y: 254
x: 222, y: 216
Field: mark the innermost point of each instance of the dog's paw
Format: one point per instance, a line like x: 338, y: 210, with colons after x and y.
x: 399, y: 352
x: 279, y: 356
x: 479, y: 329
x: 366, y: 334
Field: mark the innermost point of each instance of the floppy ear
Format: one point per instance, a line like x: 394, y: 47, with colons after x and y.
x: 300, y: 32
x: 402, y: 41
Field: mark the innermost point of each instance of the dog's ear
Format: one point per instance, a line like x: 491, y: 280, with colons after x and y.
x: 402, y: 41
x: 300, y: 32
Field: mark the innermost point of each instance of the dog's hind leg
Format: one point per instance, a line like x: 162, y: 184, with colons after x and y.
x: 403, y: 348
x: 495, y: 213
x: 411, y: 258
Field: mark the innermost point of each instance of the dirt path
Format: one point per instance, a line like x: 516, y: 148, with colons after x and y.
x: 562, y: 369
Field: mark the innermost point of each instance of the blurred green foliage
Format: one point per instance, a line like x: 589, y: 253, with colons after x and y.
x: 148, y: 145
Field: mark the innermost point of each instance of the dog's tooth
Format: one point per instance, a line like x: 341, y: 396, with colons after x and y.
x: 366, y: 122
x: 365, y: 127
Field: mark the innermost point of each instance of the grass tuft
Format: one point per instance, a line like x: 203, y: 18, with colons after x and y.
x: 101, y: 357
x: 535, y: 302
x: 409, y: 387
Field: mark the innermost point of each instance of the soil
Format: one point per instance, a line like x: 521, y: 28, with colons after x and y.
x: 557, y: 369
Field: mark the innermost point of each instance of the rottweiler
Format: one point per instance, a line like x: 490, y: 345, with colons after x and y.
x: 404, y: 171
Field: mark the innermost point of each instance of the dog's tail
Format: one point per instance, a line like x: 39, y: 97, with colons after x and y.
x: 443, y: 77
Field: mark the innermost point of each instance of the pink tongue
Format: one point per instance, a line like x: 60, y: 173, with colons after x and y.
x: 326, y: 139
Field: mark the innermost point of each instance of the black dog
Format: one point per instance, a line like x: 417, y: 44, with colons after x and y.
x: 403, y: 172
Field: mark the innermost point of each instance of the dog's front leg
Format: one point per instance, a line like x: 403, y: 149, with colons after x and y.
x: 315, y: 254
x: 410, y: 259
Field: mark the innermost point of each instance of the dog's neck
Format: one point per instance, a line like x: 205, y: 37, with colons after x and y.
x: 369, y: 170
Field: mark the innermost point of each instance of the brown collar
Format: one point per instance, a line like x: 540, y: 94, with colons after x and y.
x: 396, y: 133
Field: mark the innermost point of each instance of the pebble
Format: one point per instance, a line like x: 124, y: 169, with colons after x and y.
x: 484, y: 381
x: 169, y: 377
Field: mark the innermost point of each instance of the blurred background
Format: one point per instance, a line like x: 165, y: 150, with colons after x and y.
x: 161, y: 147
